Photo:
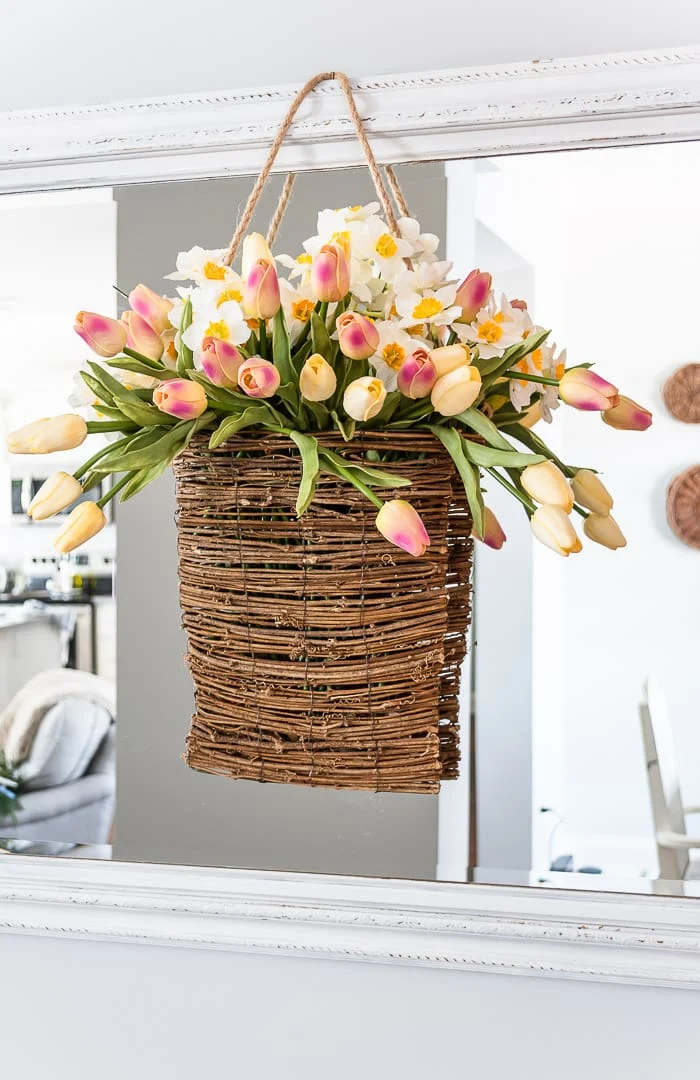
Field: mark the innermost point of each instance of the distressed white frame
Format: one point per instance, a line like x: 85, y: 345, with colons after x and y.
x: 534, y: 106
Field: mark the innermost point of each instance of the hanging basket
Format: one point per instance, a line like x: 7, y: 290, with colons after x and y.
x: 321, y: 655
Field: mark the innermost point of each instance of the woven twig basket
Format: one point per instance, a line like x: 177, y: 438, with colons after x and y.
x: 321, y: 655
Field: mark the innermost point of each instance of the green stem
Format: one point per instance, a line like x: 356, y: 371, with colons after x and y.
x: 527, y: 377
x: 323, y: 311
x: 114, y: 490
x: 367, y: 492
x: 527, y: 503
x: 87, y: 465
x: 580, y: 510
x: 452, y: 338
x: 96, y: 427
x: 262, y: 333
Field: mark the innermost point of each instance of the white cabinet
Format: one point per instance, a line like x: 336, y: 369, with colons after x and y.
x: 105, y: 614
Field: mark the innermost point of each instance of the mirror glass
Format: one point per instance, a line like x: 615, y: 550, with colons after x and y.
x: 578, y: 727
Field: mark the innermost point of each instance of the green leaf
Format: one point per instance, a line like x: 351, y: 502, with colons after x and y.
x: 185, y: 356
x: 308, y: 448
x: 319, y: 412
x: 454, y: 444
x: 320, y: 338
x: 371, y: 476
x: 282, y: 351
x: 143, y: 477
x: 224, y: 399
x: 145, y: 449
x: 489, y: 458
x: 479, y: 423
x: 345, y: 427
x: 254, y: 414
x: 142, y: 368
x: 391, y: 404
x: 97, y: 388
x: 117, y: 390
x: 146, y: 415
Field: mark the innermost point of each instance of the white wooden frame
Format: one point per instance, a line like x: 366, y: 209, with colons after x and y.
x: 541, y: 105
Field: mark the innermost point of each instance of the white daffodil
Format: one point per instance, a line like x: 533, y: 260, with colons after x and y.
x: 432, y: 306
x: 336, y: 221
x: 297, y: 304
x: 543, y: 361
x: 394, y: 346
x: 202, y: 267
x: 372, y: 240
x: 496, y: 328
x: 424, y: 245
x: 214, y: 317
x: 299, y: 267
x: 423, y: 276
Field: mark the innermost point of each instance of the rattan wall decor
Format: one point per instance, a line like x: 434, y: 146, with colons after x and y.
x: 683, y: 506
x: 681, y: 394
x: 321, y: 655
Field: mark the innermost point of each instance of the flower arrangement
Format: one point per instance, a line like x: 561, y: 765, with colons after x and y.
x: 367, y: 330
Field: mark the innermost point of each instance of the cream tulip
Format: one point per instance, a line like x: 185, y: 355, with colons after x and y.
x: 456, y: 391
x: 591, y: 492
x: 317, y: 380
x: 364, y: 397
x: 449, y: 357
x: 603, y: 529
x: 546, y: 483
x: 49, y: 435
x: 54, y: 495
x: 255, y: 249
x: 552, y: 527
x: 84, y: 522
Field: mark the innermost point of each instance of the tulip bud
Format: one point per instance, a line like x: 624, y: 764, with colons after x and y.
x: 47, y: 436
x: 141, y: 337
x: 603, y: 529
x: 627, y: 415
x: 258, y: 378
x: 151, y: 306
x: 456, y: 391
x: 546, y: 483
x: 364, y: 397
x: 583, y: 389
x: 220, y: 362
x: 261, y: 292
x: 552, y: 527
x: 591, y: 492
x: 105, y: 336
x: 449, y: 357
x: 180, y: 397
x: 55, y: 494
x: 493, y: 535
x: 330, y: 274
x: 472, y: 294
x: 317, y: 380
x: 83, y: 522
x: 417, y: 375
x: 357, y: 335
x: 255, y: 249
x: 403, y: 527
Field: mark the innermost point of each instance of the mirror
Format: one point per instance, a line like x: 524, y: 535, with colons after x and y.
x: 569, y: 765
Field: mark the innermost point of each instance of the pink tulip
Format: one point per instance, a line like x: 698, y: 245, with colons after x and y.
x: 493, y: 535
x: 105, y: 336
x: 403, y: 527
x: 585, y: 390
x: 220, y: 362
x: 330, y: 274
x: 151, y: 307
x: 258, y: 378
x: 472, y: 294
x: 141, y: 337
x: 627, y: 415
x: 357, y: 335
x: 261, y: 292
x: 417, y: 375
x: 180, y: 397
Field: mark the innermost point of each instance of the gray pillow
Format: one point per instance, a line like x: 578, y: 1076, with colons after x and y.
x: 66, y: 741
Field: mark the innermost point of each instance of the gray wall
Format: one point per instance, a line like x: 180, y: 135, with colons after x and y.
x: 165, y: 811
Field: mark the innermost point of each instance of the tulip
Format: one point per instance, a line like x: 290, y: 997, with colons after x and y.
x: 583, y: 389
x: 546, y: 483
x: 56, y: 493
x: 363, y: 398
x: 261, y: 292
x: 258, y: 378
x: 417, y: 375
x: 141, y: 337
x: 180, y: 397
x: 220, y: 362
x: 552, y: 527
x: 449, y: 357
x: 255, y: 249
x: 591, y: 492
x: 403, y: 527
x: 531, y: 416
x: 627, y: 415
x: 330, y: 274
x: 47, y: 436
x: 472, y: 294
x: 84, y: 522
x: 105, y: 336
x: 493, y: 535
x: 317, y: 380
x: 456, y: 391
x: 603, y: 529
x: 151, y: 306
x: 357, y: 335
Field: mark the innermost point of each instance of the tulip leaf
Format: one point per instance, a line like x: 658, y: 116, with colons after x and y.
x: 391, y: 404
x: 479, y: 423
x: 254, y: 414
x: 367, y: 473
x: 143, y: 477
x: 118, y: 391
x: 320, y: 338
x: 185, y: 356
x: 146, y: 415
x: 97, y: 388
x: 308, y: 448
x: 319, y: 412
x: 454, y: 444
x: 145, y: 449
x: 488, y: 457
x: 282, y: 351
x: 345, y: 427
x: 141, y: 368
x: 225, y: 400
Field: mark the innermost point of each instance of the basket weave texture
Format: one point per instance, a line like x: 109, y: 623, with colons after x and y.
x: 321, y: 654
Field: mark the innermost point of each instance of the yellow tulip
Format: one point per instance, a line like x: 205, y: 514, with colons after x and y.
x: 456, y: 391
x: 591, y: 492
x: 48, y: 435
x: 317, y: 380
x: 552, y: 527
x: 255, y: 249
x: 84, y: 522
x: 55, y: 494
x: 603, y: 529
x: 546, y: 483
x: 449, y: 357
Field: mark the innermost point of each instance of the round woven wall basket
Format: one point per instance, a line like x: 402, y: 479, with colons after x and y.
x: 321, y: 654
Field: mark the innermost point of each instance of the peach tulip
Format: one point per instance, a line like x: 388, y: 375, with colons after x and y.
x: 180, y: 397
x: 552, y: 527
x: 358, y: 337
x: 151, y: 306
x: 603, y: 529
x: 255, y: 249
x: 84, y: 522
x: 141, y: 337
x: 258, y: 378
x: 105, y: 336
x: 456, y: 391
x: 220, y: 362
x: 546, y: 483
x: 417, y: 375
x: 472, y: 295
x: 627, y: 415
x: 591, y: 492
x: 330, y: 274
x: 261, y: 292
x: 583, y: 389
x: 403, y: 527
x: 493, y: 535
x: 48, y: 436
x: 54, y: 495
x: 448, y: 357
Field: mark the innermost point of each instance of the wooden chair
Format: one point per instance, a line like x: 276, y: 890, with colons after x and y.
x: 668, y: 812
